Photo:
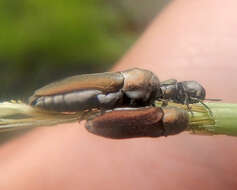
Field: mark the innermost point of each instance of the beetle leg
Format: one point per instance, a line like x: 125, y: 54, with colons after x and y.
x: 83, y: 115
x: 186, y: 102
x: 201, y: 102
x: 164, y: 103
x: 209, y: 110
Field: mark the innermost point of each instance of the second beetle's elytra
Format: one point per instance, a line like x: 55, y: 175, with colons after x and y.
x: 139, y: 122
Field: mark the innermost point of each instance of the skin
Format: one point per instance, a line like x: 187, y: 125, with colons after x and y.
x: 189, y: 40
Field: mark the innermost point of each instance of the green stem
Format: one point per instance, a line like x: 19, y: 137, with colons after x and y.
x: 224, y: 117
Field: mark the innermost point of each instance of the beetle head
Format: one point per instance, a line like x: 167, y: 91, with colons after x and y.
x: 194, y: 90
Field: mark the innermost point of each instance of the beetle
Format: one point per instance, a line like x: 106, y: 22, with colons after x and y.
x: 184, y: 92
x: 134, y: 88
x: 139, y: 122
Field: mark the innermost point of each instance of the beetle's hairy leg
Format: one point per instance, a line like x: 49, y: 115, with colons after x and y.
x: 189, y: 108
x: 88, y: 114
x: 186, y: 102
x: 164, y: 103
x: 153, y: 104
x: 208, y: 109
x: 83, y: 115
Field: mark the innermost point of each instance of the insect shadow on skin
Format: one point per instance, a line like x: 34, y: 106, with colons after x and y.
x: 133, y: 88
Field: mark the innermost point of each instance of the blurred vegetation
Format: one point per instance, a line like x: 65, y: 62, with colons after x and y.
x: 42, y: 40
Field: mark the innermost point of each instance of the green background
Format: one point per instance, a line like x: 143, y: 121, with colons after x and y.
x: 45, y: 40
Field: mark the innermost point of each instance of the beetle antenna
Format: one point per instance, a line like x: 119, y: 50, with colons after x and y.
x: 213, y: 99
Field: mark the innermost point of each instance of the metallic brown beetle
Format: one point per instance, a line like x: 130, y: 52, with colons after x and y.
x: 185, y: 92
x: 139, y: 122
x: 133, y: 87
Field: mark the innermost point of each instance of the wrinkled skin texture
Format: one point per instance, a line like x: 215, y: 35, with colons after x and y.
x: 190, y: 40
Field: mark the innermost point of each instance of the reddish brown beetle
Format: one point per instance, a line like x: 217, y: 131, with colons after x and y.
x: 139, y: 122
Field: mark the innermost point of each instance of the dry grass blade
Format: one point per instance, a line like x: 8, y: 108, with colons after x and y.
x: 16, y: 115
